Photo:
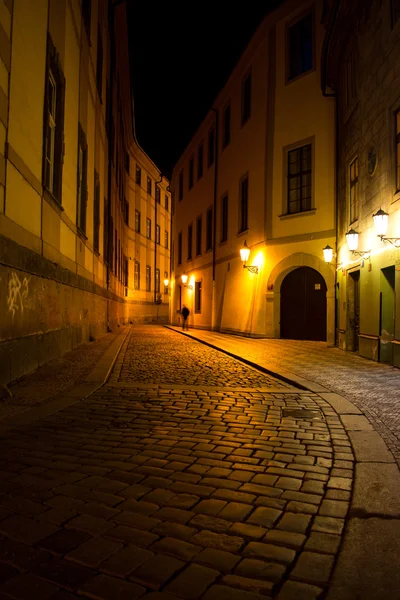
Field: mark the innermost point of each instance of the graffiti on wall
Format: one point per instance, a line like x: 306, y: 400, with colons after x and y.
x: 17, y: 294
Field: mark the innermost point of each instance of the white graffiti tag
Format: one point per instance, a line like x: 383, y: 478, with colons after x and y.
x: 17, y: 294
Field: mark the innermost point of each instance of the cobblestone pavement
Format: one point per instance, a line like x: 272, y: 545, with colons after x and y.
x: 371, y: 386
x: 166, y: 491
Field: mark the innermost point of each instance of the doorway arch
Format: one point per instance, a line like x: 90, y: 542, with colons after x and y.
x: 303, y: 305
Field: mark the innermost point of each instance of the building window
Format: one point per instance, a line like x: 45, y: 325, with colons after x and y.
x: 166, y: 200
x: 157, y: 281
x: 191, y: 172
x: 180, y: 191
x: 86, y: 15
x: 246, y: 99
x: 148, y: 185
x: 99, y: 63
x: 158, y: 240
x: 53, y: 124
x: 138, y: 175
x: 224, y: 218
x: 244, y: 204
x: 395, y: 11
x: 211, y: 147
x: 209, y: 226
x: 158, y: 195
x: 198, y: 236
x: 96, y: 213
x: 180, y: 248
x: 166, y: 238
x: 300, y: 42
x: 165, y: 286
x: 197, y: 296
x: 299, y: 179
x: 82, y: 181
x: 200, y: 162
x: 190, y: 242
x: 137, y: 275
x: 148, y: 228
x: 126, y: 211
x: 353, y: 176
x: 148, y: 278
x: 137, y: 221
x: 226, y: 126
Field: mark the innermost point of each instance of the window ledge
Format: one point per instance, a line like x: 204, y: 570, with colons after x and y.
x: 302, y: 213
x: 81, y: 234
x: 396, y: 197
x: 54, y: 203
x: 239, y: 233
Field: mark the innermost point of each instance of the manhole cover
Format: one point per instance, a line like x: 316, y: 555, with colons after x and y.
x: 302, y: 413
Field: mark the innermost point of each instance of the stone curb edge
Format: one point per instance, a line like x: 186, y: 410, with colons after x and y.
x: 95, y: 379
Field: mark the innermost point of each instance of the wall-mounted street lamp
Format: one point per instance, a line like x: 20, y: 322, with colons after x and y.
x: 244, y: 255
x: 184, y: 279
x: 166, y: 288
x: 329, y: 254
x: 381, y: 222
x: 352, y: 243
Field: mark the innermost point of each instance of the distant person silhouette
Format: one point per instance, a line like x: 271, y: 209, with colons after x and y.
x: 185, y: 312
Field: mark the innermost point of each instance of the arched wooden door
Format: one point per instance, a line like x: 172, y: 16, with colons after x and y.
x: 303, y: 305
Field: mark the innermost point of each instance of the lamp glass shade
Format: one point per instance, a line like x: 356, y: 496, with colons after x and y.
x: 245, y: 253
x: 166, y: 282
x: 352, y: 239
x: 328, y: 254
x: 381, y: 221
x: 184, y: 278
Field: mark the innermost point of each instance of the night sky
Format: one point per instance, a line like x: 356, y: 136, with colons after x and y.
x: 180, y: 59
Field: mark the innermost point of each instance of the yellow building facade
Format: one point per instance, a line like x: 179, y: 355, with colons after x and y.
x: 67, y: 150
x: 260, y: 170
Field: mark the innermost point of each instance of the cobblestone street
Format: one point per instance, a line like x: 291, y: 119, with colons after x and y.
x: 187, y: 476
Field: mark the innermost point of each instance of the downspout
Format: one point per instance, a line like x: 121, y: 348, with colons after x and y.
x: 331, y: 26
x: 213, y: 292
x: 155, y: 240
x: 109, y: 166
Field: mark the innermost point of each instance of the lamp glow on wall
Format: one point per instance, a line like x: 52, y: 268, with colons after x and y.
x: 381, y: 222
x: 166, y: 284
x: 244, y: 255
x: 184, y: 279
x: 352, y: 243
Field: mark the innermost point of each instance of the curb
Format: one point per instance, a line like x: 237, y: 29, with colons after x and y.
x: 95, y: 379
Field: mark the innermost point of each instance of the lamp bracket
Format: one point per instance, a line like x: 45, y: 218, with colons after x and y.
x: 251, y: 268
x: 394, y: 241
x: 188, y: 286
x: 365, y: 254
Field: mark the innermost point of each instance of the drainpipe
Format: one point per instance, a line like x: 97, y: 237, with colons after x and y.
x: 331, y: 26
x: 155, y: 239
x: 110, y: 235
x: 213, y: 293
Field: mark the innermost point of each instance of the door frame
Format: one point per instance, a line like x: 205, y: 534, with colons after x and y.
x: 273, y: 292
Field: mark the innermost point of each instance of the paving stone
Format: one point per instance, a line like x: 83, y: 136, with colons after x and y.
x: 224, y: 592
x: 302, y: 507
x: 28, y: 586
x: 220, y: 541
x: 63, y: 573
x: 333, y: 508
x: 313, y: 567
x: 323, y: 542
x: 289, y: 539
x: 289, y: 483
x: 7, y: 572
x: 137, y: 506
x: 203, y: 491
x: 132, y: 535
x: 21, y: 556
x: 177, y: 548
x: 126, y: 560
x: 94, y: 551
x: 135, y: 520
x: 248, y: 531
x: 259, y: 569
x: 265, y: 517
x: 192, y: 582
x: 26, y: 530
x: 183, y: 501
x: 235, y: 511
x: 234, y: 496
x: 294, y: 590
x: 269, y: 552
x: 340, y: 483
x: 313, y: 487
x: 63, y: 541
x: 174, y: 514
x: 270, y: 502
x: 175, y: 530
x: 338, y: 495
x: 209, y: 522
x: 110, y: 588
x: 217, y: 559
x: 210, y: 507
x: 294, y: 522
x: 328, y: 525
x: 156, y: 571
